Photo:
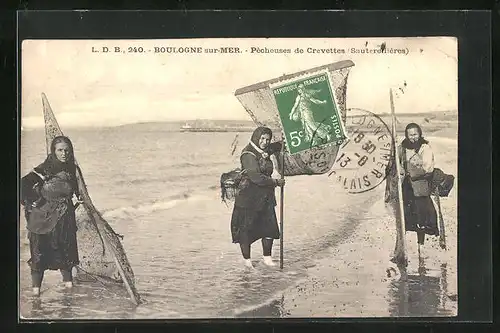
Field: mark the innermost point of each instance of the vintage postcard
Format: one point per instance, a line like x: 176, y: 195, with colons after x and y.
x: 238, y: 178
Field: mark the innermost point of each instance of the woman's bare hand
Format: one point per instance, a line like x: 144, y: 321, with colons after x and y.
x: 280, y: 182
x: 78, y: 199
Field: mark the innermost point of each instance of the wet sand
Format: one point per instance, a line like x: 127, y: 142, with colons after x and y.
x: 356, y: 278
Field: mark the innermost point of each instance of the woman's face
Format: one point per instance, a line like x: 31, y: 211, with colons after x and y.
x: 264, y: 141
x: 413, y: 135
x: 62, y: 151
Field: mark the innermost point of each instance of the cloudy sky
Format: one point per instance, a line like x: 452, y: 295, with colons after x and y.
x: 86, y: 88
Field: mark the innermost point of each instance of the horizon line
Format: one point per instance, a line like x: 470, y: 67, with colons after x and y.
x: 80, y: 126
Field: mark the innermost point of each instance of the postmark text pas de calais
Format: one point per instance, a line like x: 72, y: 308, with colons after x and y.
x: 308, y: 111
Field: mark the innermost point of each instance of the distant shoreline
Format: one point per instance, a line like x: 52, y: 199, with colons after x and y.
x: 435, y: 118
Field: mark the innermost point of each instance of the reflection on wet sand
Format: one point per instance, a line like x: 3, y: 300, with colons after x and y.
x: 258, y: 292
x: 66, y: 310
x: 64, y: 306
x: 353, y: 280
x: 36, y: 307
x: 420, y: 295
x: 275, y: 309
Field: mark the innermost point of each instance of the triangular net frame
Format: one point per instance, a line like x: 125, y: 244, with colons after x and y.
x: 102, y: 256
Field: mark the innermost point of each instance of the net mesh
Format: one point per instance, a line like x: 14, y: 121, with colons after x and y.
x: 102, y: 256
x: 259, y: 103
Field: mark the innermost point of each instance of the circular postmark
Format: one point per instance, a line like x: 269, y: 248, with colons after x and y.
x: 362, y: 159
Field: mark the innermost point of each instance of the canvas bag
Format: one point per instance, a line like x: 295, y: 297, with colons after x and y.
x: 420, y: 181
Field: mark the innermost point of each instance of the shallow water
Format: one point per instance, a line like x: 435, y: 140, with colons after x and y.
x: 160, y: 190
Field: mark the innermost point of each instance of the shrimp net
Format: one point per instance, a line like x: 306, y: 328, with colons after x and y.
x: 102, y: 256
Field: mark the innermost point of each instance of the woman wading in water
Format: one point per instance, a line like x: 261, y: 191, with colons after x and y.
x: 254, y: 216
x: 47, y: 194
x: 418, y: 163
x: 417, y: 167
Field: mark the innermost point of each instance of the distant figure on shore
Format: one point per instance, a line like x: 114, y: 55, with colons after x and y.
x: 254, y: 214
x: 46, y: 194
x: 417, y: 167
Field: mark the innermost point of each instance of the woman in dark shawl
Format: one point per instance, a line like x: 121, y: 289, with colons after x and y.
x: 254, y: 214
x: 46, y: 194
x: 417, y: 161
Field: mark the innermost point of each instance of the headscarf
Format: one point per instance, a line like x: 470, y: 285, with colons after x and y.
x: 52, y: 165
x: 415, y: 146
x: 253, y: 146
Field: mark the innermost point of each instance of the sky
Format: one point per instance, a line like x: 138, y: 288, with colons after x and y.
x: 88, y: 88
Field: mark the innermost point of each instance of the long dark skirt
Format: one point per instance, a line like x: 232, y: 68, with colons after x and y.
x: 248, y: 225
x: 56, y: 249
x: 420, y: 214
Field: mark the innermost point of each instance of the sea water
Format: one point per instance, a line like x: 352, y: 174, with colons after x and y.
x: 160, y: 189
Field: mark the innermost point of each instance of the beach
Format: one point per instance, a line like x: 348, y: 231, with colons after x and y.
x: 356, y: 279
x: 161, y: 191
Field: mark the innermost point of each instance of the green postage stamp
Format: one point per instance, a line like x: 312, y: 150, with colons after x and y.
x: 309, y: 113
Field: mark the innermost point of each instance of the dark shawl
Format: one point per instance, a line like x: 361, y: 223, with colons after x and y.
x: 46, y: 200
x: 414, y: 146
x: 257, y: 187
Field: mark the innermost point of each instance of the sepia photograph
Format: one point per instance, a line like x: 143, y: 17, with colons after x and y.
x: 214, y: 178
